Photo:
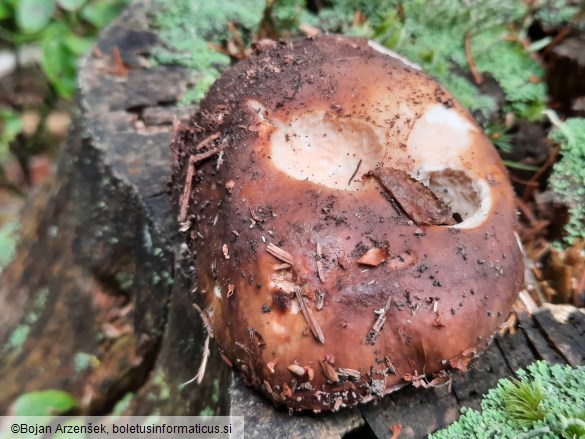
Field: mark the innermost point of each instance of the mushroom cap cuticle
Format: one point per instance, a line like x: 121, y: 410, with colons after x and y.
x: 338, y: 237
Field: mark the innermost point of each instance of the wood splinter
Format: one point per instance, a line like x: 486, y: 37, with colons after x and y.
x: 309, y: 317
x: 279, y: 253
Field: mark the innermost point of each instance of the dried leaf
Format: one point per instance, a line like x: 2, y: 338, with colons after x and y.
x: 462, y: 360
x: 417, y: 201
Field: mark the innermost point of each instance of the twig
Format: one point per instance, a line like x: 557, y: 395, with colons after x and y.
x: 552, y: 158
x: 320, y: 264
x: 472, y: 67
x: 206, y: 141
x: 184, y: 201
x: 309, y: 317
x: 378, y: 324
x: 279, y: 253
x: 203, y: 365
x: 238, y: 40
x: 355, y: 172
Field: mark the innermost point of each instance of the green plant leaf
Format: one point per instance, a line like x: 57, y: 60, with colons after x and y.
x: 5, y: 9
x: 10, y: 127
x: 78, y: 45
x: 100, y: 13
x: 521, y: 166
x: 44, y: 403
x: 59, y: 62
x: 33, y: 15
x: 71, y: 5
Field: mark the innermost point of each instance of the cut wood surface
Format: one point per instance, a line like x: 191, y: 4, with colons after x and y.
x: 98, y: 301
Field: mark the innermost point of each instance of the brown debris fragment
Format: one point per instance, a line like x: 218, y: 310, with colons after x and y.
x: 320, y: 264
x: 310, y: 372
x: 417, y: 201
x: 373, y: 257
x: 231, y: 289
x: 119, y: 68
x: 279, y: 267
x: 416, y: 380
x: 378, y: 324
x: 462, y: 360
x: 438, y: 323
x: 329, y: 371
x: 279, y: 253
x: 309, y: 317
x: 286, y: 390
x: 226, y: 251
x: 229, y: 185
x: 390, y: 366
x: 320, y: 299
x: 395, y: 429
x: 184, y: 201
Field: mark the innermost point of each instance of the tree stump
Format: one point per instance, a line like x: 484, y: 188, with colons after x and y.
x: 98, y: 302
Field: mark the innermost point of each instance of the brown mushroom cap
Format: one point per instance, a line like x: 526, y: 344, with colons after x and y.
x: 326, y: 286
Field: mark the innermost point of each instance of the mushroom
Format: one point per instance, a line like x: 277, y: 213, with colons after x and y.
x: 368, y: 220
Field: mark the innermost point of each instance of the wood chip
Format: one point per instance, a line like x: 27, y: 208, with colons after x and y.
x: 329, y: 372
x: 320, y: 264
x: 417, y: 201
x: 226, y: 251
x: 270, y: 365
x: 378, y: 324
x: 309, y: 317
x: 373, y: 257
x: 310, y: 372
x: 320, y: 299
x: 279, y: 267
x: 230, y: 292
x: 349, y: 373
x: 279, y: 253
x: 296, y: 369
x: 391, y: 369
x: 438, y: 323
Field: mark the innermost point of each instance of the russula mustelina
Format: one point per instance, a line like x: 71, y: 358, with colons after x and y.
x: 352, y: 228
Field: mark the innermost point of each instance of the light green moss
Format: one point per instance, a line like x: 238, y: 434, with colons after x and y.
x: 568, y: 177
x: 547, y: 402
x: 83, y: 361
x: 187, y: 27
x: 8, y: 238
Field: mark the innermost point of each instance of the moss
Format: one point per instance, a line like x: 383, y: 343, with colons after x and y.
x: 83, y: 361
x: 546, y: 402
x: 159, y: 380
x: 568, y: 176
x: 186, y: 28
x: 17, y: 338
x: 207, y: 411
x: 8, y: 238
x: 122, y: 405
